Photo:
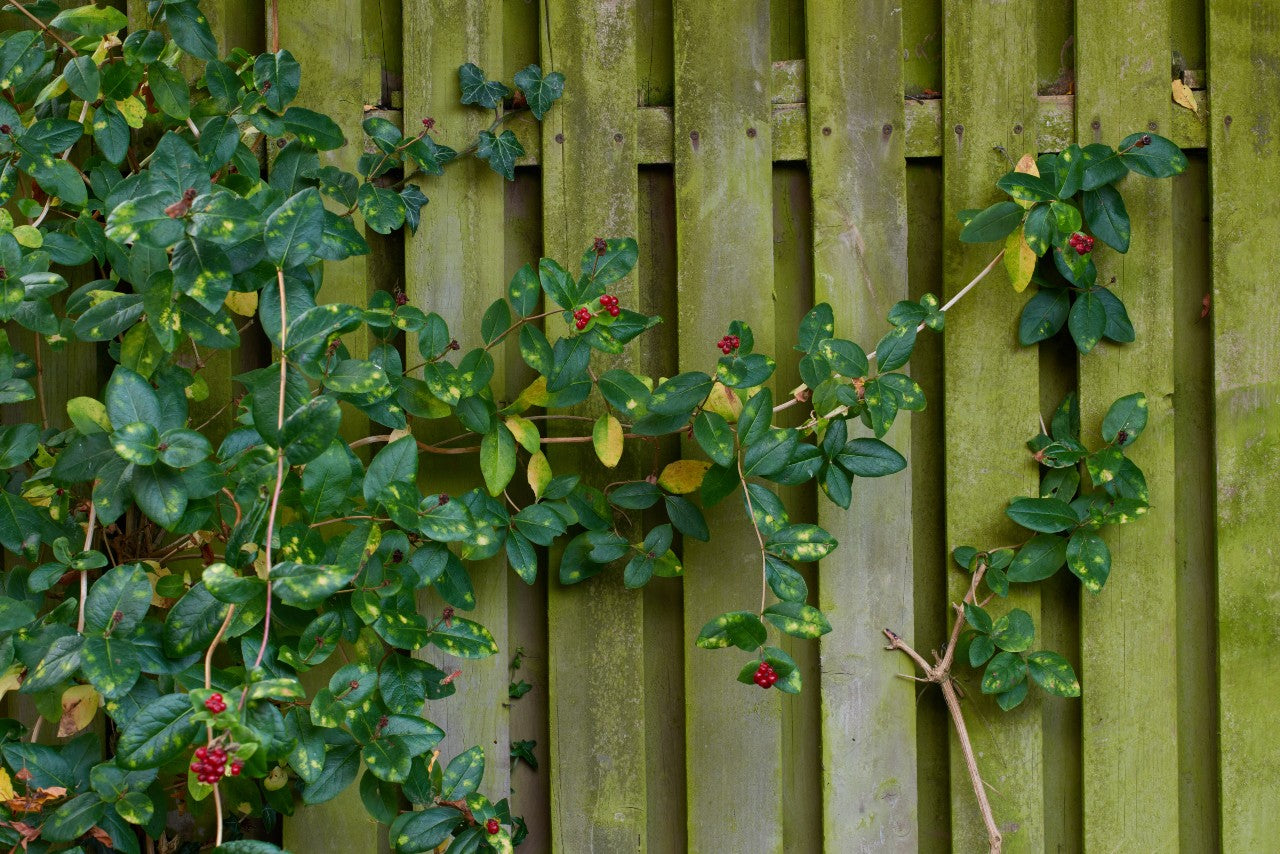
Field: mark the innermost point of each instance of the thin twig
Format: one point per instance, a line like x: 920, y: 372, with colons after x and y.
x: 764, y: 557
x: 84, y: 573
x: 42, y: 25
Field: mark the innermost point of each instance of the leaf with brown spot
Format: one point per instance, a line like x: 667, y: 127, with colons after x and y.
x: 1184, y: 97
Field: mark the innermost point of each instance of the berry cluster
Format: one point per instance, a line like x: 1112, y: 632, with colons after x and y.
x: 492, y: 826
x: 211, y: 764
x: 610, y: 304
x: 581, y: 317
x: 728, y: 344
x: 1082, y: 243
x: 215, y: 704
x: 765, y: 675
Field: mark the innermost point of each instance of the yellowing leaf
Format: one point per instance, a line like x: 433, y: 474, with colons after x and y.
x: 79, y: 705
x: 243, y: 303
x: 526, y: 433
x: 1019, y: 260
x: 683, y: 476
x: 1184, y: 97
x: 6, y: 786
x: 10, y: 681
x: 539, y: 473
x: 606, y: 436
x: 535, y: 394
x: 134, y: 112
x: 724, y: 401
x: 1027, y: 165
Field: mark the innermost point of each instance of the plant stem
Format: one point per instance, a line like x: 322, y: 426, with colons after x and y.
x: 751, y: 514
x: 799, y: 393
x: 44, y: 413
x: 940, y: 673
x: 84, y: 573
x: 42, y: 25
x: 275, y: 494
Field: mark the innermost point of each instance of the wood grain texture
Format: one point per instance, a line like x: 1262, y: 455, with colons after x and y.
x: 723, y: 204
x: 857, y: 132
x: 1244, y: 62
x: 1128, y: 664
x: 596, y: 629
x: 454, y: 265
x: 992, y: 389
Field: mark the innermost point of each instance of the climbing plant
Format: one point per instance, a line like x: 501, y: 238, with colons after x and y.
x: 169, y: 582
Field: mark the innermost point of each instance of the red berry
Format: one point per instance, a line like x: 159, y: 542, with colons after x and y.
x: 236, y: 768
x: 492, y: 826
x: 201, y: 753
x: 196, y: 766
x: 214, y: 701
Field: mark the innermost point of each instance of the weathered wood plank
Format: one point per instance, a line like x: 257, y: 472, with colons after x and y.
x: 596, y: 634
x: 454, y: 265
x: 857, y: 130
x: 1128, y: 664
x: 1244, y: 78
x: 722, y: 159
x: 990, y: 102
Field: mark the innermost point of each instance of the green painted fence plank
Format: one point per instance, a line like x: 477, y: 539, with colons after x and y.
x: 1198, y: 810
x: 1244, y: 161
x: 596, y: 629
x: 856, y: 159
x: 1128, y: 664
x: 722, y: 159
x: 454, y: 265
x: 992, y: 389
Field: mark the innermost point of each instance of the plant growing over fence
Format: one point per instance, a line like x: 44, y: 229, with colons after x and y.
x: 182, y: 582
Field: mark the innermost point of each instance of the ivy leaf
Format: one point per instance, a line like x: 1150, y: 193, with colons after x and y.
x: 477, y: 90
x: 295, y: 230
x: 501, y: 152
x: 541, y: 91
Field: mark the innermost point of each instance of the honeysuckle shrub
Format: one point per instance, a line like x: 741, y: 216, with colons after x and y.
x: 168, y: 582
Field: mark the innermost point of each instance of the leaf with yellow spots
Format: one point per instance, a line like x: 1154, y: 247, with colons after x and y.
x: 1019, y: 260
x: 1053, y: 673
x: 79, y: 705
x: 606, y: 438
x: 683, y: 476
x: 134, y: 111
x: 797, y: 619
x: 802, y: 541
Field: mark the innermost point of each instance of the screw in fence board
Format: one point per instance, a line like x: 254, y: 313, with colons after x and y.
x: 858, y: 169
x: 596, y: 628
x: 1244, y: 163
x: 1128, y: 662
x: 454, y: 266
x: 724, y: 231
x: 992, y: 388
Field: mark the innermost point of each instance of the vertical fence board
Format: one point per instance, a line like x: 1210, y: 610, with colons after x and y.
x: 454, y: 265
x: 1128, y: 662
x: 598, y: 778
x: 989, y: 100
x: 1244, y: 160
x: 858, y: 167
x: 1193, y: 473
x: 724, y: 232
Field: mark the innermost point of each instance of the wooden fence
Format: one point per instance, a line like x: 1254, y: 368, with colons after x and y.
x: 772, y: 154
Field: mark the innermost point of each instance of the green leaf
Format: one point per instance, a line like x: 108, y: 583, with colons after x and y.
x: 1047, y: 515
x: 1053, y: 673
x: 798, y: 619
x: 223, y: 218
x: 1025, y: 187
x: 1107, y: 217
x: 314, y: 130
x: 1043, y: 315
x: 894, y: 349
x: 190, y: 30
x: 613, y: 264
x: 785, y: 582
x: 994, y: 223
x: 341, y: 764
x: 424, y: 830
x: 1128, y: 415
x: 1003, y: 673
x: 118, y: 601
x: 464, y: 639
x: 477, y: 90
x: 305, y: 585
x: 1089, y: 559
x: 463, y: 774
x: 1152, y: 155
x: 1102, y: 165
x: 742, y: 629
x: 680, y: 394
x: 159, y: 492
x: 383, y: 209
x: 1087, y: 321
x: 1014, y: 631
x: 162, y: 730
x: 111, y: 664
x: 981, y: 648
x: 801, y: 542
x: 816, y: 326
x: 539, y: 91
x: 92, y: 21
x: 500, y: 151
x: 498, y: 459
x: 865, y: 457
x: 83, y: 78
x: 58, y: 664
x: 714, y: 436
x: 296, y: 229
x: 309, y: 431
x: 78, y: 815
x: 1041, y: 557
x: 277, y: 77
x: 170, y: 91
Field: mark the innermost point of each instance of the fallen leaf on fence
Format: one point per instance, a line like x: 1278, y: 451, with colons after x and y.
x: 1184, y: 97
